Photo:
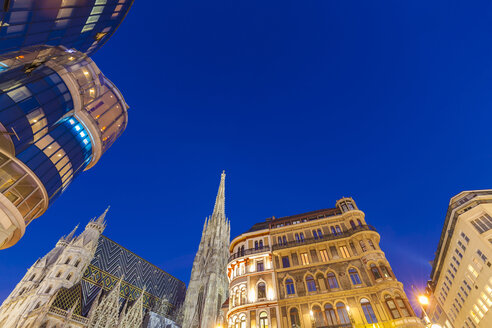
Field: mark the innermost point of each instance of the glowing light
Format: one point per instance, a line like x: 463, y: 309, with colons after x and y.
x: 436, y: 325
x: 77, y: 128
x: 34, y: 121
x: 348, y: 308
x: 71, y: 58
x: 71, y: 121
x: 424, y: 300
x: 86, y: 73
x: 82, y: 134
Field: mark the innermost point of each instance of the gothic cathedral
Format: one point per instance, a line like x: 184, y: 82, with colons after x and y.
x: 208, y: 287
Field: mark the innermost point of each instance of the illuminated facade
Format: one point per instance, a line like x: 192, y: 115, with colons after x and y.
x: 59, y: 115
x: 90, y: 281
x: 461, y: 280
x: 207, y: 289
x: 84, y: 25
x: 318, y: 269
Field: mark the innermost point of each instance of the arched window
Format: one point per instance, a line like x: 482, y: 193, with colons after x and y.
x: 392, y: 307
x: 263, y: 320
x: 360, y: 223
x: 375, y: 271
x: 352, y: 224
x: 77, y: 263
x: 261, y: 290
x: 279, y: 240
x: 69, y: 276
x: 332, y: 280
x: 368, y: 311
x: 243, y: 322
x: 319, y: 318
x: 339, y: 231
x: 333, y: 232
x: 311, y: 285
x: 297, y: 237
x: 236, y: 323
x: 48, y: 290
x: 243, y: 295
x: 295, y: 322
x: 371, y: 244
x: 68, y: 260
x: 320, y: 233
x: 237, y: 296
x: 284, y: 239
x: 242, y: 250
x: 261, y: 244
x: 315, y: 234
x: 238, y: 253
x: 385, y: 271
x: 330, y: 315
x: 321, y: 281
x: 342, y: 313
x: 354, y: 276
x: 301, y: 235
x: 402, y: 306
x: 363, y: 246
x: 256, y: 245
x: 58, y: 274
x: 37, y: 305
x: 32, y: 277
x: 289, y: 287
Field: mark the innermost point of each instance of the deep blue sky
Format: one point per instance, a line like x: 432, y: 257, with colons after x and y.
x: 301, y: 103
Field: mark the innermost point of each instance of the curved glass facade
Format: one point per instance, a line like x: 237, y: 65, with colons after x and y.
x: 58, y: 115
x: 80, y: 24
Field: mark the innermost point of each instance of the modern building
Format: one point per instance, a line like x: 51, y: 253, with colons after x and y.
x: 58, y: 115
x: 317, y: 269
x: 91, y: 281
x: 208, y: 287
x: 461, y: 279
x: 84, y: 25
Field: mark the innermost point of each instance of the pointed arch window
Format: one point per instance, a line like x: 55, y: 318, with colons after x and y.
x: 342, y: 313
x: 363, y: 246
x: 69, y: 276
x: 243, y: 322
x: 368, y: 311
x: 311, y: 284
x: 289, y: 287
x: 236, y: 323
x: 385, y: 271
x: 48, y: 289
x: 392, y: 307
x: 261, y: 291
x: 332, y: 280
x: 319, y: 318
x: 354, y: 276
x: 371, y: 244
x: 77, y: 263
x: 295, y: 322
x: 330, y: 315
x: 68, y: 260
x: 263, y: 320
x: 352, y: 224
x: 360, y: 223
x: 243, y: 295
x: 375, y: 271
x: 32, y: 277
x: 402, y: 306
x: 58, y: 274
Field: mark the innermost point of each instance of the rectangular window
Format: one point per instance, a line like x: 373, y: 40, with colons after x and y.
x: 483, y: 223
x: 334, y: 253
x: 473, y: 271
x: 344, y: 252
x: 363, y: 246
x: 259, y: 266
x: 352, y: 247
x: 324, y: 255
x: 285, y: 262
x: 304, y: 258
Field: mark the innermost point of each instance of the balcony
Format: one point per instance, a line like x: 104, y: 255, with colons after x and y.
x: 308, y: 241
x: 249, y: 252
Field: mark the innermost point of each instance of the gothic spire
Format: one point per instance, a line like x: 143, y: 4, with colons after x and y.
x: 71, y: 234
x: 219, y: 207
x: 101, y: 218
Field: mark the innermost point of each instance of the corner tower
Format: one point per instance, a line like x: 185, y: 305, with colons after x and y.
x: 208, y: 287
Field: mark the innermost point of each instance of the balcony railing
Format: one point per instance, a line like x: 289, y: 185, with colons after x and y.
x: 308, y: 241
x: 249, y: 252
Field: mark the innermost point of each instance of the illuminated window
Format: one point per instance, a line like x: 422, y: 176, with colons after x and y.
x: 304, y: 258
x: 311, y: 285
x: 344, y: 251
x: 375, y: 271
x: 295, y: 322
x: 324, y: 255
x: 332, y: 280
x: 392, y: 307
x: 330, y: 315
x: 285, y: 262
x: 342, y: 313
x: 363, y: 246
x: 368, y: 311
x: 261, y: 290
x: 289, y: 286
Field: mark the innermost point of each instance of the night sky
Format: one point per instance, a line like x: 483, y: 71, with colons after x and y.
x: 301, y: 103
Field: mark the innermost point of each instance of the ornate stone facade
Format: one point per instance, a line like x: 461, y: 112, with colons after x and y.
x: 317, y: 269
x: 89, y: 281
x: 208, y: 287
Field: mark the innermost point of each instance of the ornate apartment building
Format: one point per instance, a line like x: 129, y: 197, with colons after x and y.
x: 90, y: 281
x: 461, y: 279
x: 317, y: 269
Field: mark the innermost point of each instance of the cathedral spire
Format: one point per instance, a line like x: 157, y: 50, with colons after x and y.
x: 219, y: 207
x: 71, y: 234
x: 101, y: 218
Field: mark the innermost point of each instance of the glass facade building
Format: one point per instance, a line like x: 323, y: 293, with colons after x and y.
x: 58, y: 115
x: 84, y: 25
